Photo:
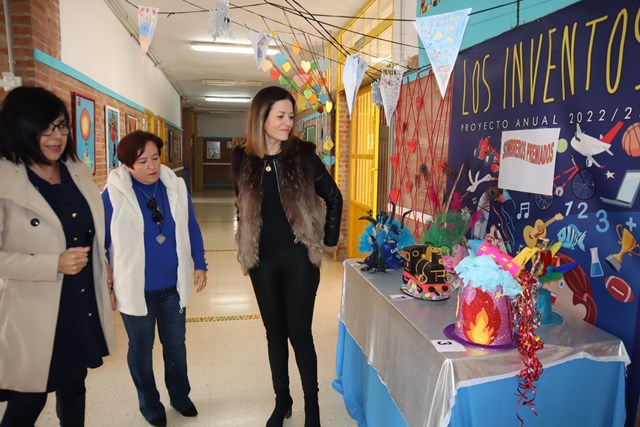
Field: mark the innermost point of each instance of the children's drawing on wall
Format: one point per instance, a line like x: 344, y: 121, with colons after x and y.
x: 213, y: 149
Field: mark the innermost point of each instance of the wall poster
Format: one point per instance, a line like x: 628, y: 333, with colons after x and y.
x: 84, y: 129
x: 572, y: 73
x: 112, y: 133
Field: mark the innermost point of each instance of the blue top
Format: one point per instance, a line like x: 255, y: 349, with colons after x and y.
x: 161, y: 260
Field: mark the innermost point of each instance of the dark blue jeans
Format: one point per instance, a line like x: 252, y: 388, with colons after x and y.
x: 163, y: 308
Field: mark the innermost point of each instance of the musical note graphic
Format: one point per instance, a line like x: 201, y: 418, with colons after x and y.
x: 524, y: 210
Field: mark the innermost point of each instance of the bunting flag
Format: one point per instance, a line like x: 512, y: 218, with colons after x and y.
x: 260, y: 43
x: 441, y: 36
x: 220, y: 21
x: 390, y: 84
x: 147, y: 20
x: 352, y: 75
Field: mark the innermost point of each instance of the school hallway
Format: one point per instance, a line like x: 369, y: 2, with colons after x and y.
x: 226, y: 347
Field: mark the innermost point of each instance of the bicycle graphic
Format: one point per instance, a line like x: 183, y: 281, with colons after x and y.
x: 582, y: 186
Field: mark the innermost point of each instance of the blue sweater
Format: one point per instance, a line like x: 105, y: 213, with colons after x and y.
x: 161, y: 261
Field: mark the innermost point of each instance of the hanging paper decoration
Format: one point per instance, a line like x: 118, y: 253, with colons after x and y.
x: 295, y: 46
x: 390, y: 83
x: 220, y: 21
x: 352, y: 76
x: 266, y: 66
x: 323, y: 64
x: 300, y: 79
x: 281, y: 58
x: 329, y: 160
x: 260, y: 43
x: 328, y: 106
x: 441, y: 36
x: 306, y: 66
x: 147, y: 19
x: 376, y: 96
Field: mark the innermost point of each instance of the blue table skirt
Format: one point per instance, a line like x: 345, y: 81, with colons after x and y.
x: 580, y: 392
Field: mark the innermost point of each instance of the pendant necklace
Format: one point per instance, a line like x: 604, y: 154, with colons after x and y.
x: 268, y: 168
x: 156, y: 214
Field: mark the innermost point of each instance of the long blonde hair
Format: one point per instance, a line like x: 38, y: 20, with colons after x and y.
x: 258, y: 112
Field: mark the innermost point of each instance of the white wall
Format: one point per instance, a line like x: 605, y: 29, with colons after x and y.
x: 96, y: 44
x: 404, y: 31
x: 222, y: 124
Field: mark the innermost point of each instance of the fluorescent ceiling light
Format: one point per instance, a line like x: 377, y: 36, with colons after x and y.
x: 220, y: 82
x: 226, y: 99
x: 227, y: 48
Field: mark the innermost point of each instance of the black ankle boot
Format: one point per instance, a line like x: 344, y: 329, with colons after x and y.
x: 311, y: 412
x: 281, y: 411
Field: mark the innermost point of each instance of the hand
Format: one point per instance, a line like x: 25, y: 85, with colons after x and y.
x: 112, y: 295
x: 73, y: 260
x: 199, y: 279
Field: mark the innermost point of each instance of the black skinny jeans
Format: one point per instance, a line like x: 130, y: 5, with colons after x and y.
x: 285, y: 284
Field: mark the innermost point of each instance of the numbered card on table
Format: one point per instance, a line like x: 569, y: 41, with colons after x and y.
x: 445, y: 345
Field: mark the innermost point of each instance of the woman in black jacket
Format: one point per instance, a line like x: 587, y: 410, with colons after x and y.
x: 288, y: 207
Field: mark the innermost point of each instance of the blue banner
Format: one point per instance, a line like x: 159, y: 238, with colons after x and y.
x: 575, y: 71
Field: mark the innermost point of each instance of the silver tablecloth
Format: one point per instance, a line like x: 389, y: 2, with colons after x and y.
x: 395, y: 336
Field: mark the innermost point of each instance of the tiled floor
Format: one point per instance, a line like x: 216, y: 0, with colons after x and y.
x: 226, y: 347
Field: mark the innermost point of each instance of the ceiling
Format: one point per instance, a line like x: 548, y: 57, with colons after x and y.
x: 182, y: 22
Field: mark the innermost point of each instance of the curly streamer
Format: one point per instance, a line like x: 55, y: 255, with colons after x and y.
x: 526, y: 321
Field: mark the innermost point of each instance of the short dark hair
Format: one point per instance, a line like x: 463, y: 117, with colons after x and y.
x: 258, y: 113
x: 132, y: 146
x: 26, y: 112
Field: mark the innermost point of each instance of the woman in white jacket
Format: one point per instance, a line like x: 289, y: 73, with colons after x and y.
x: 154, y: 244
x: 55, y: 313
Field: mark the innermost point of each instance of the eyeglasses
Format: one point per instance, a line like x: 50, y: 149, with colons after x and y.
x: 63, y: 127
x: 156, y: 215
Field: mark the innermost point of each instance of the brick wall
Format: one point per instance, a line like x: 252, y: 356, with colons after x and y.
x: 343, y: 135
x: 36, y: 24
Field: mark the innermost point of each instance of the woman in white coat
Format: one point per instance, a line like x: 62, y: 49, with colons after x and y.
x: 55, y: 309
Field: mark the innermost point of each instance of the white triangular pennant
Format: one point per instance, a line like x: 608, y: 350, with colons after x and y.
x: 260, y: 43
x: 147, y: 20
x: 354, y: 69
x: 390, y: 84
x: 441, y: 36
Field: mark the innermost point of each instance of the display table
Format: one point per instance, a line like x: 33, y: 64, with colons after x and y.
x: 390, y: 373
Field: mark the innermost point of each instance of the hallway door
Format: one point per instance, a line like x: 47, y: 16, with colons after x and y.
x: 363, y: 170
x: 196, y: 159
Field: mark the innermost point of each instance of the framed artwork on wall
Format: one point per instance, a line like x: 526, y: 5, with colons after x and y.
x: 169, y: 146
x: 112, y: 132
x: 84, y: 120
x: 179, y: 147
x: 213, y: 149
x: 132, y: 123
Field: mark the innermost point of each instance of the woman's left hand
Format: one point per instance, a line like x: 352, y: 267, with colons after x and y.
x: 112, y: 295
x: 199, y: 279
